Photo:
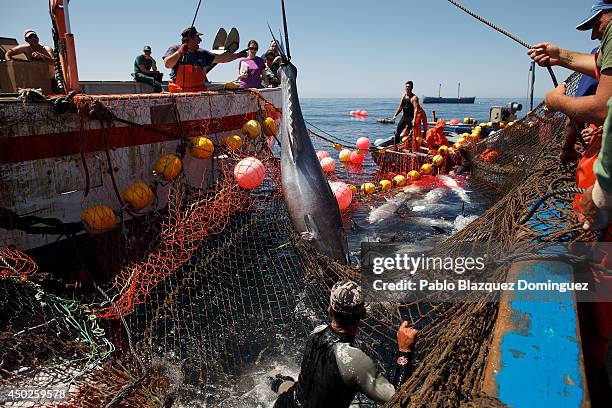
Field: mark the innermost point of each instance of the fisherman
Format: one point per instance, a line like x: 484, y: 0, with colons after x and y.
x: 187, y: 62
x: 34, y: 51
x: 333, y: 369
x: 594, y: 173
x: 409, y: 105
x: 145, y: 70
x: 270, y: 77
x: 587, y: 86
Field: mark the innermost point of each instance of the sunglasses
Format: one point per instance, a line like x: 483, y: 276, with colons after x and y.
x: 253, y: 48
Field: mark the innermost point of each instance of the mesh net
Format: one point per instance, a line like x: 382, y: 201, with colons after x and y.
x: 214, y: 285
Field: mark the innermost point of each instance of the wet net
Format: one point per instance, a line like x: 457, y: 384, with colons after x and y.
x: 212, y: 288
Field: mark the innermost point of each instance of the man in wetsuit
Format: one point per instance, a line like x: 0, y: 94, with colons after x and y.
x: 408, y: 106
x: 333, y: 370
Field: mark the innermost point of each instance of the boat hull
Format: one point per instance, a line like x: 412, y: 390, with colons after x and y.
x: 56, y: 165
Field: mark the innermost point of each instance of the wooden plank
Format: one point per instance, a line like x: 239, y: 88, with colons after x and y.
x: 535, y: 357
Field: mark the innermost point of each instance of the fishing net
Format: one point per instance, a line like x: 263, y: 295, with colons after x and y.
x: 213, y: 288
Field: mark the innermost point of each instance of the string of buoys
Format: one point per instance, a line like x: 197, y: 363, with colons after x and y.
x: 359, y: 113
x: 249, y: 173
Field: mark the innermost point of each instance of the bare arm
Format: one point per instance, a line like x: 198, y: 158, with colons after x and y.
x: 154, y: 65
x: 18, y: 50
x: 144, y: 69
x: 228, y: 57
x: 586, y: 109
x: 549, y: 54
x: 415, y: 104
x: 399, y: 108
x: 171, y: 60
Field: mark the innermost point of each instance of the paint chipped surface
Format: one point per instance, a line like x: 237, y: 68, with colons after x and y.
x: 540, y: 354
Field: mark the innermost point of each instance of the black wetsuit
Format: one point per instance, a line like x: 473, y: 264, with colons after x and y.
x: 333, y: 371
x: 407, y: 117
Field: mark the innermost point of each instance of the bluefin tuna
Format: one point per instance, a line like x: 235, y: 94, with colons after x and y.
x: 312, y: 206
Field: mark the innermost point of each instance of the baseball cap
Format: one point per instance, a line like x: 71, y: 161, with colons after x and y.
x: 190, y: 32
x: 28, y: 33
x: 147, y: 48
x: 598, y: 7
x: 346, y: 298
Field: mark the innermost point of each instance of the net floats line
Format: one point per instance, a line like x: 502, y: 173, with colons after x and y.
x: 504, y: 32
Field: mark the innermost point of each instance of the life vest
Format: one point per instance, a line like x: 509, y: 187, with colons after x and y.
x: 585, y: 176
x: 189, y: 78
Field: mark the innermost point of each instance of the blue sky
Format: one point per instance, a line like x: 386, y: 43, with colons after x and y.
x: 342, y: 48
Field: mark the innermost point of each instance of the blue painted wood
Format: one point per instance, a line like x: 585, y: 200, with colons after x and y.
x: 540, y: 352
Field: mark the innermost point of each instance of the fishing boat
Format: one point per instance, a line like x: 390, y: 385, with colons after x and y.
x: 61, y: 154
x: 440, y: 99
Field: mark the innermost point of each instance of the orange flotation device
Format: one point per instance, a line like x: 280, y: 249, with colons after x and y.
x: 189, y: 78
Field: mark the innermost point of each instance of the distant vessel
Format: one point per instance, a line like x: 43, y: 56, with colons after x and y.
x: 458, y: 99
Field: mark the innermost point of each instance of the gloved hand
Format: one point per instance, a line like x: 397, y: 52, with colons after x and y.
x: 182, y: 50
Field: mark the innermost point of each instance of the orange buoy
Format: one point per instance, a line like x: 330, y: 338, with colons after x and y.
x: 251, y: 129
x: 269, y: 127
x: 233, y: 142
x: 138, y: 196
x: 99, y: 218
x: 169, y: 166
x: 201, y: 147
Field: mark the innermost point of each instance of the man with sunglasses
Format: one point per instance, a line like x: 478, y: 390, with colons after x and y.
x: 145, y: 70
x: 187, y: 62
x: 33, y: 50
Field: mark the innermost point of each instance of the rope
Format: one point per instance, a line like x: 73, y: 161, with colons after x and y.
x: 538, y: 204
x: 504, y: 32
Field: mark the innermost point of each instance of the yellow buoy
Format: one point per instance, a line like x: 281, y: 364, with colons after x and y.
x: 338, y: 146
x: 404, y: 139
x: 443, y: 151
x: 345, y: 155
x: 353, y: 188
x: 169, y: 166
x: 437, y: 160
x: 99, y: 218
x: 510, y: 124
x: 462, y: 140
x: 399, y: 180
x: 385, y: 185
x: 269, y: 127
x: 426, y: 168
x: 231, y: 85
x: 138, y: 196
x: 502, y: 124
x: 201, y: 147
x: 466, y: 121
x: 233, y: 142
x: 368, y: 188
x: 419, y: 141
x: 465, y: 134
x: 251, y: 129
x: 477, y: 129
x: 457, y: 146
x: 414, y: 175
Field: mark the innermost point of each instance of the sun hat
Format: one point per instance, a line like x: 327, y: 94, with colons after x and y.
x: 598, y: 7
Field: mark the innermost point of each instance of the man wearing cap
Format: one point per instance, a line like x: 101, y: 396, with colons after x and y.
x: 145, y: 70
x: 32, y: 50
x: 333, y: 370
x: 187, y: 62
x: 594, y: 173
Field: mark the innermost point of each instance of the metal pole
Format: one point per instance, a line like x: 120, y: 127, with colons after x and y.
x: 532, y: 85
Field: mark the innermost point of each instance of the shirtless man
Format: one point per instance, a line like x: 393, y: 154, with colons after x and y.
x: 33, y: 50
